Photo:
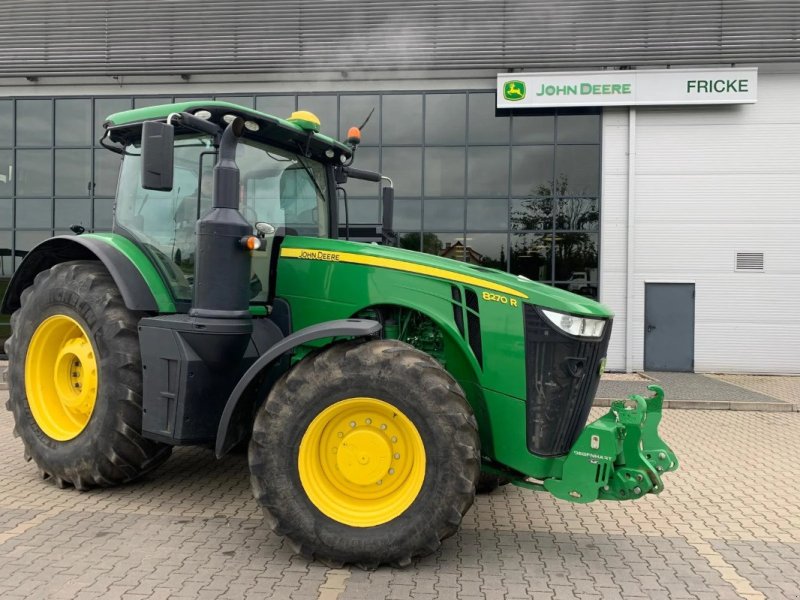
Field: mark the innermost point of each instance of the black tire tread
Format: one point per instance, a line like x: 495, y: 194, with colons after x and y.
x: 123, y: 453
x: 450, y: 409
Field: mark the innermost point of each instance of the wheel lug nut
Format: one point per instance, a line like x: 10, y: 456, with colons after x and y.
x: 394, y: 439
x: 396, y: 455
x: 340, y: 434
x: 383, y: 427
x: 379, y: 482
x: 391, y: 471
x: 352, y: 423
x: 368, y: 421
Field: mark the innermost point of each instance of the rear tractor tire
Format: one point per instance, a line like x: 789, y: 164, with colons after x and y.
x: 365, y: 453
x: 75, y: 379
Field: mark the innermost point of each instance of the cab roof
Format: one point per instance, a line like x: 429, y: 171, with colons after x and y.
x: 125, y: 127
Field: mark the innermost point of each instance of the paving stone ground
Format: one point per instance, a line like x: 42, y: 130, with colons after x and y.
x: 727, y: 526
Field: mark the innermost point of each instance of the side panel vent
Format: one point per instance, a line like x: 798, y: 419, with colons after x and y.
x: 474, y: 325
x: 749, y: 261
x: 458, y: 310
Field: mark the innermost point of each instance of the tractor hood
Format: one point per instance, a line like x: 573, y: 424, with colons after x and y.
x: 426, y: 265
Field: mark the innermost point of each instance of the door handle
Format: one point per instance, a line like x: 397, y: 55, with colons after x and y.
x: 650, y: 328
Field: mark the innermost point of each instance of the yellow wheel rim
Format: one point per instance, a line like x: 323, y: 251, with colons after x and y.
x: 362, y: 462
x: 61, y: 377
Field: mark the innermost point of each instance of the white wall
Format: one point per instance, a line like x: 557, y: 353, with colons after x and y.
x: 710, y: 181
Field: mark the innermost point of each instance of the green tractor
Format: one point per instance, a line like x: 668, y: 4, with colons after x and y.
x: 378, y: 388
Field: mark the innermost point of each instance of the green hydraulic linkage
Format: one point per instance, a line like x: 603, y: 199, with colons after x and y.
x: 620, y: 456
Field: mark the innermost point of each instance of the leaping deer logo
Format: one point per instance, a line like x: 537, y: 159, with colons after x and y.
x: 514, y: 90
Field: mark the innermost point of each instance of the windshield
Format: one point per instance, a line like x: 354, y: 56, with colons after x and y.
x: 276, y: 187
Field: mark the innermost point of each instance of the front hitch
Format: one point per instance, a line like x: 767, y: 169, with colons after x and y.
x: 620, y: 456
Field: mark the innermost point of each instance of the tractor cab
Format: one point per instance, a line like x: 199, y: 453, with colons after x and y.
x: 288, y: 177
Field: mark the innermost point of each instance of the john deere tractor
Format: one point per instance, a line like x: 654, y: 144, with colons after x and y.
x: 377, y: 387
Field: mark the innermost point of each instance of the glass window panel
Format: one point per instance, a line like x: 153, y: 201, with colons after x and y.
x: 487, y: 249
x: 487, y: 214
x: 404, y: 166
x: 6, y: 255
x: 73, y: 211
x: 484, y: 127
x: 578, y: 129
x: 26, y: 240
x: 577, y: 170
x: 367, y: 159
x: 531, y: 170
x: 5, y: 213
x: 445, y: 118
x: 361, y: 211
x: 407, y: 213
x: 352, y: 112
x: 531, y: 255
x: 34, y: 122
x: 326, y: 110
x: 33, y: 212
x: 106, y: 172
x: 104, y: 108
x: 533, y: 129
x: 34, y: 173
x: 532, y: 213
x: 576, y: 257
x: 74, y: 122
x: 444, y: 171
x: 402, y: 119
x: 103, y: 214
x: 446, y: 213
x: 578, y: 213
x: 487, y: 171
x: 448, y: 245
x: 73, y: 172
x: 6, y: 173
x: 246, y: 101
x: 409, y: 241
x: 6, y: 123
x: 155, y: 101
x: 277, y: 106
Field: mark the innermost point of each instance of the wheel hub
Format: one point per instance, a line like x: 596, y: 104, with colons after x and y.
x: 364, y: 457
x: 76, y: 385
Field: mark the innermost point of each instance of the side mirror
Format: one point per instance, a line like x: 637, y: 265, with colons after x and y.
x: 388, y: 210
x: 158, y: 155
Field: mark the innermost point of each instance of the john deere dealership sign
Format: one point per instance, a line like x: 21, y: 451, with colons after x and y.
x: 627, y: 88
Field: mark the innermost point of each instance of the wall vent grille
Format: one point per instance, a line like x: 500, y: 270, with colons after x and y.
x: 749, y: 261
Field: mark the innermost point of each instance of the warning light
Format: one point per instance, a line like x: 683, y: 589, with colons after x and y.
x: 250, y: 242
x: 354, y: 136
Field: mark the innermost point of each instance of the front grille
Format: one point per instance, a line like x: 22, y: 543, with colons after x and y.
x: 562, y: 374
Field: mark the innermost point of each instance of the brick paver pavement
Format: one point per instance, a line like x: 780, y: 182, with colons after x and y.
x: 727, y: 526
x: 781, y: 387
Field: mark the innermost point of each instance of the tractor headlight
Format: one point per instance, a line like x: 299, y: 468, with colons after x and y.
x: 573, y: 325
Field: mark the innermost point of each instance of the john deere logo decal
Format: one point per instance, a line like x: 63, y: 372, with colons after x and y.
x: 514, y: 90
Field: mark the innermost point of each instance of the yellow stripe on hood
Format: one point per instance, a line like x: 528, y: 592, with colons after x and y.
x: 396, y: 265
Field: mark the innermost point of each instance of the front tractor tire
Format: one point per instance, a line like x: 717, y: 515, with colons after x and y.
x: 365, y: 453
x: 75, y: 379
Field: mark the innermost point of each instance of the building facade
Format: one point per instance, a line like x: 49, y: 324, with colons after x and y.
x: 683, y: 218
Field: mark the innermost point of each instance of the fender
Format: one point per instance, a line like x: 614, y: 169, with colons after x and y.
x: 137, y: 279
x: 227, y: 436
